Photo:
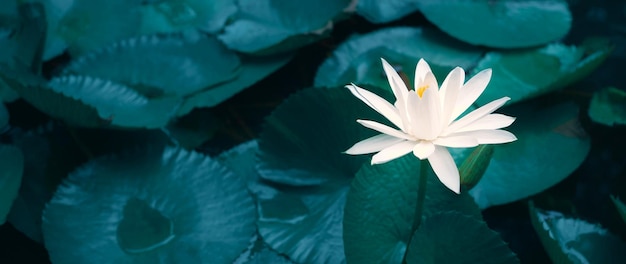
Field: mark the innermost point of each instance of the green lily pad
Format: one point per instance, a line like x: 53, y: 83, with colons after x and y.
x: 155, y: 66
x: 176, y: 15
x: 4, y: 116
x: 380, y: 209
x: 306, y: 176
x: 93, y: 24
x: 571, y: 240
x: 357, y: 60
x: 551, y: 145
x: 500, y: 24
x: 385, y: 11
x: 621, y: 207
x: 608, y: 107
x: 264, y: 24
x: 523, y: 74
x: 190, y: 209
x: 11, y: 168
x: 251, y: 70
x: 451, y: 237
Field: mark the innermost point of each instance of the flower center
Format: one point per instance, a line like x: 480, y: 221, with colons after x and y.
x: 420, y: 91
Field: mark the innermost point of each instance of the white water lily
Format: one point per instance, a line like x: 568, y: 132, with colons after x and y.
x: 428, y: 120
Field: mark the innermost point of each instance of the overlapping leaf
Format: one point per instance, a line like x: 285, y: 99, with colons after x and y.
x: 175, y: 15
x: 262, y: 25
x: 358, y: 59
x: 385, y: 11
x: 551, y: 144
x: 189, y: 209
x: 500, y: 24
x: 523, y: 74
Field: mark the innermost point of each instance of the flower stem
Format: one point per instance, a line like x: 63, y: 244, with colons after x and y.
x: 419, y: 205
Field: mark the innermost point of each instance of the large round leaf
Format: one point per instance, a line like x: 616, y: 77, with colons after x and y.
x: 11, y: 168
x: 156, y: 206
x: 571, y: 240
x: 500, y: 24
x: 385, y: 11
x: 262, y: 24
x: 452, y: 237
x: 553, y: 67
x: 357, y: 60
x: 92, y: 24
x: 176, y: 15
x: 551, y: 144
x: 306, y: 174
x: 380, y: 209
x: 170, y: 65
x: 252, y: 69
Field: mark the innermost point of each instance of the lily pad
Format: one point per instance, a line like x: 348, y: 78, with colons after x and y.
x: 571, y: 240
x: 306, y: 176
x: 357, y: 60
x: 263, y: 24
x: 175, y: 15
x: 551, y: 145
x: 523, y: 74
x: 156, y: 66
x: 608, y: 107
x: 451, y: 237
x: 11, y: 168
x: 500, y: 24
x: 251, y: 70
x: 55, y: 10
x: 189, y: 209
x: 380, y: 209
x: 23, y: 44
x: 94, y: 24
x: 385, y: 11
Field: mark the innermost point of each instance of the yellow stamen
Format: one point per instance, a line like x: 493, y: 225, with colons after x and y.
x: 420, y: 91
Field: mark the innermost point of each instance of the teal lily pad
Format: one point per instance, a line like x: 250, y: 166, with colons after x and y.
x: 261, y: 25
x: 91, y: 25
x: 305, y: 175
x: 188, y: 209
x: 571, y: 240
x: 551, y: 145
x: 251, y: 70
x: 451, y: 237
x: 55, y: 10
x: 12, y: 166
x: 175, y: 15
x: 608, y: 107
x: 385, y: 11
x: 524, y: 74
x: 380, y: 209
x: 500, y: 24
x: 357, y: 60
x: 157, y: 65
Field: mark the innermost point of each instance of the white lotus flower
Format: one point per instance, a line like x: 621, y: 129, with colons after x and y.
x: 428, y: 120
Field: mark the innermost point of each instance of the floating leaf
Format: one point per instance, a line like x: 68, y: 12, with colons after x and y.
x: 11, y: 168
x: 381, y: 207
x: 194, y: 129
x: 570, y: 240
x: 608, y: 107
x: 451, y: 237
x: 188, y: 209
x: 551, y: 145
x: 90, y: 25
x: 55, y: 10
x: 252, y: 69
x: 523, y: 74
x: 176, y: 15
x: 621, y: 207
x: 357, y: 60
x: 177, y: 64
x: 383, y: 12
x: 301, y: 145
x: 264, y: 24
x: 500, y: 24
